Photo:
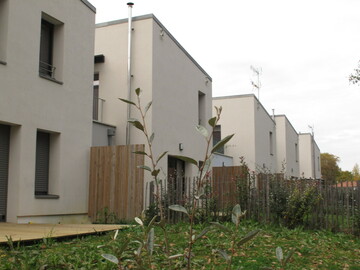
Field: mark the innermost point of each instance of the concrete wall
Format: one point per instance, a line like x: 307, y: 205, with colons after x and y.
x: 220, y: 160
x: 287, y: 147
x: 244, y: 116
x: 167, y: 75
x: 309, y: 157
x: 30, y: 103
x: 103, y: 134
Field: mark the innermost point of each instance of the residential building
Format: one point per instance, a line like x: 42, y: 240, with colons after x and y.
x: 179, y: 88
x: 309, y: 157
x: 287, y: 147
x: 254, y: 129
x: 46, y: 69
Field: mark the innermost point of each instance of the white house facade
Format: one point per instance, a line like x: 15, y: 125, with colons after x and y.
x: 254, y: 129
x: 287, y: 147
x: 309, y: 157
x: 46, y: 69
x: 179, y: 88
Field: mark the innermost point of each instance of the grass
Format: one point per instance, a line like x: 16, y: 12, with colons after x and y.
x: 314, y: 250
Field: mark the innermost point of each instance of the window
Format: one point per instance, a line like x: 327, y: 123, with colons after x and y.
x: 271, y: 143
x: 96, y: 97
x: 51, y: 48
x: 46, y: 49
x: 201, y: 108
x: 3, y: 29
x: 217, y: 138
x: 296, y: 153
x: 42, y: 163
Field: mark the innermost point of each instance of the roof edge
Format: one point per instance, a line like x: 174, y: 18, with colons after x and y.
x: 89, y: 5
x: 152, y: 16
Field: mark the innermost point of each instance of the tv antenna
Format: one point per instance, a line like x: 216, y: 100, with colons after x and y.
x: 257, y: 72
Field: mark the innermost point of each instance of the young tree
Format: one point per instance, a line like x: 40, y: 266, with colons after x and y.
x: 330, y: 169
x: 355, y: 77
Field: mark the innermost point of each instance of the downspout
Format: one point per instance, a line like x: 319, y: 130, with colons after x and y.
x: 130, y: 5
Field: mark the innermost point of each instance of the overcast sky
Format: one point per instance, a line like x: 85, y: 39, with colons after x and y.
x: 306, y: 50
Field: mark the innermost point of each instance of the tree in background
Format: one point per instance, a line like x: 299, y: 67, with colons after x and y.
x: 356, y: 172
x: 345, y: 176
x: 355, y: 77
x: 330, y: 169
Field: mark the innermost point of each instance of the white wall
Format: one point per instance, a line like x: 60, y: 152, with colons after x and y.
x: 29, y: 103
x: 245, y: 117
x: 286, y: 139
x: 309, y: 157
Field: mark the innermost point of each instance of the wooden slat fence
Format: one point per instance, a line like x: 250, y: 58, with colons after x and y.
x: 116, y: 184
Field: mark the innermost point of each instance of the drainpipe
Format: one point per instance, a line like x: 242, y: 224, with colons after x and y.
x: 130, y: 5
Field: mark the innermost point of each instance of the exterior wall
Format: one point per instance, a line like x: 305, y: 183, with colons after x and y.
x: 102, y: 134
x: 238, y: 117
x: 265, y: 150
x: 245, y: 117
x: 30, y: 103
x: 220, y: 160
x: 167, y: 75
x: 309, y: 157
x: 287, y: 147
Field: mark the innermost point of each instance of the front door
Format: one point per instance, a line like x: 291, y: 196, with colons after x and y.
x: 4, y: 168
x: 176, y: 179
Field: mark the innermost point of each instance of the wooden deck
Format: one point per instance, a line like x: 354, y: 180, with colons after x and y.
x: 30, y: 232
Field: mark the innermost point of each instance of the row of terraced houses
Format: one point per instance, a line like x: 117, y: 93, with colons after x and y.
x: 61, y: 76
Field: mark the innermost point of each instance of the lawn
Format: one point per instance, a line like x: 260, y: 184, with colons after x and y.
x: 314, y: 250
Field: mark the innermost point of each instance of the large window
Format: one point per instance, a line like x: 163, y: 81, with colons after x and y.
x: 46, y: 67
x: 51, y: 48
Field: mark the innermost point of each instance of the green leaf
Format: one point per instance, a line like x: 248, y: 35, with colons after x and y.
x: 203, y: 232
x: 212, y: 121
x: 144, y: 167
x: 110, y: 258
x: 161, y: 156
x: 155, y: 172
x: 187, y: 159
x: 139, y: 221
x: 223, y: 254
x: 137, y: 91
x: 279, y: 254
x: 152, y: 138
x: 178, y: 208
x: 148, y: 106
x: 202, y: 130
x: 137, y: 124
x: 140, y: 153
x: 220, y: 226
x: 221, y: 143
x: 127, y: 101
x: 248, y: 237
x: 150, y: 242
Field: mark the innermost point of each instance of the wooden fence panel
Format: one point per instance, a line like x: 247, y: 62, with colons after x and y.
x: 116, y: 183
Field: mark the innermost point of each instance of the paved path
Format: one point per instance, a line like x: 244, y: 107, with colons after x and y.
x: 26, y: 232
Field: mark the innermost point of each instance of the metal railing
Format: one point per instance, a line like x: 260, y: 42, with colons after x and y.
x: 47, y: 70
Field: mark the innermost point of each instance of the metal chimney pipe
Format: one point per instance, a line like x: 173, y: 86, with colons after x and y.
x: 130, y: 5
